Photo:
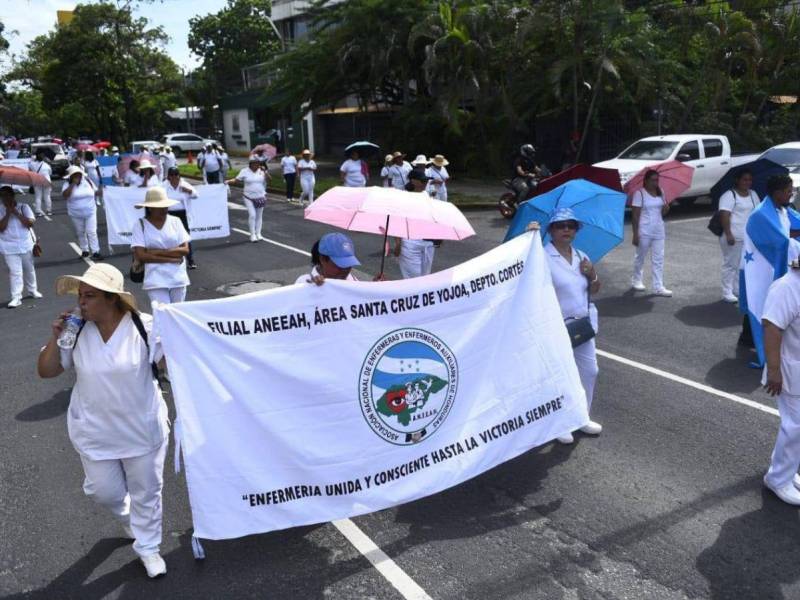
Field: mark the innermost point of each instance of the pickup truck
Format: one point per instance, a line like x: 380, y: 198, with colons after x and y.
x: 710, y: 155
x: 788, y: 155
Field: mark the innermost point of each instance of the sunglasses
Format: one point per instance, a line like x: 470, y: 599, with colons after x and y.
x: 564, y: 225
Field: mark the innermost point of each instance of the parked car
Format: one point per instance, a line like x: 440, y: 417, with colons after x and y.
x: 710, y: 155
x: 181, y: 143
x: 139, y: 145
x: 54, y: 154
x: 788, y: 155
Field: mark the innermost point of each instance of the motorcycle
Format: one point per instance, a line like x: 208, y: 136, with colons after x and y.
x: 517, y: 187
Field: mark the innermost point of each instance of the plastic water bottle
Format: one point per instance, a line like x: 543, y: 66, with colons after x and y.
x: 72, y: 324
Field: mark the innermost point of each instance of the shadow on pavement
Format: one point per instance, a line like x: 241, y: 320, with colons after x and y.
x: 629, y: 304
x: 53, y: 407
x: 755, y: 555
x: 733, y: 374
x: 714, y: 315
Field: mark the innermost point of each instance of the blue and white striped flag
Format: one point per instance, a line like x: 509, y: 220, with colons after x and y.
x: 765, y: 258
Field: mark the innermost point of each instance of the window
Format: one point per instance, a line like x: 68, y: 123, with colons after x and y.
x: 691, y: 149
x: 649, y: 150
x: 713, y: 148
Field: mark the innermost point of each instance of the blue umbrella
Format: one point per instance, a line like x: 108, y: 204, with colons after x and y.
x: 600, y: 210
x: 762, y: 169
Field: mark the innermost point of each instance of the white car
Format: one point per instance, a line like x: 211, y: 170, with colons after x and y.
x: 139, y: 145
x: 788, y: 155
x: 181, y: 143
x: 710, y: 155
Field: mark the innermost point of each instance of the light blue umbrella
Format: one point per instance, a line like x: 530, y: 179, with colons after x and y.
x: 600, y: 211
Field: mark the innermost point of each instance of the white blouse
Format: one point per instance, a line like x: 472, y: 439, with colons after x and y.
x: 570, y: 284
x: 16, y: 239
x: 171, y: 235
x: 255, y: 182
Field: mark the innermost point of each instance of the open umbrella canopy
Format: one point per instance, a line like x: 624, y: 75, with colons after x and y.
x: 365, y: 149
x: 600, y: 211
x: 268, y: 150
x: 606, y: 177
x: 22, y: 177
x: 411, y: 215
x: 674, y: 178
x: 762, y: 169
x: 102, y: 144
x: 87, y: 147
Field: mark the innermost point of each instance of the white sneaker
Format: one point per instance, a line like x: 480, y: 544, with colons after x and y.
x: 34, y: 294
x: 663, y: 292
x: 154, y: 564
x: 253, y: 238
x: 788, y: 493
x: 638, y: 286
x: 260, y: 237
x: 730, y: 298
x: 566, y: 439
x: 796, y: 481
x: 15, y: 302
x: 592, y: 428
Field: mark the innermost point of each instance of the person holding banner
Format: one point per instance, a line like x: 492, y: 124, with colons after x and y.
x: 147, y: 173
x: 307, y: 169
x: 161, y: 243
x: 574, y: 279
x: 79, y: 192
x: 180, y: 191
x: 16, y: 246
x: 117, y: 418
x: 42, y: 193
x: 254, y: 178
x: 132, y: 177
x: 333, y: 256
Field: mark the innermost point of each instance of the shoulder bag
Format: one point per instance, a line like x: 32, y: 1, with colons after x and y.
x: 715, y: 222
x: 580, y: 329
x: 136, y: 273
x: 37, y: 246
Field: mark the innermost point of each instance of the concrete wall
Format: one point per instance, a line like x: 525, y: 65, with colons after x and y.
x: 236, y: 124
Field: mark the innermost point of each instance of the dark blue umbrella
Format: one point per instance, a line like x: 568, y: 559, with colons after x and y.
x: 600, y: 210
x: 762, y: 169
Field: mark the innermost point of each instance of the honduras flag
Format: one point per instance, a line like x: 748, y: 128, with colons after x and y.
x: 765, y: 258
x: 107, y: 166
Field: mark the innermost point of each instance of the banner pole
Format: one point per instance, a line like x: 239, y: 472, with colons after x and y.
x: 383, y: 249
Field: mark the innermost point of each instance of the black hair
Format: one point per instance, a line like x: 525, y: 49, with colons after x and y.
x: 173, y: 171
x: 647, y: 175
x: 119, y: 303
x: 315, y: 255
x: 134, y: 164
x: 7, y: 189
x: 741, y: 173
x: 89, y: 155
x: 778, y: 182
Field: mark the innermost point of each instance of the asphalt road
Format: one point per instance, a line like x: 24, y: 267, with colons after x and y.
x: 666, y: 504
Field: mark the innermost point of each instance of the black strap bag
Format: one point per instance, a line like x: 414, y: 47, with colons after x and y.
x: 580, y: 329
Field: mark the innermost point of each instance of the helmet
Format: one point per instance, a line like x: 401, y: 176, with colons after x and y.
x: 527, y: 150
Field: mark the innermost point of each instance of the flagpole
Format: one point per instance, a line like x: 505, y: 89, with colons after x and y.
x: 383, y: 249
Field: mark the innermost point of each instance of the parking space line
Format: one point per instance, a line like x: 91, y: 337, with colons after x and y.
x: 399, y: 579
x: 688, y: 382
x: 269, y: 241
x: 77, y: 250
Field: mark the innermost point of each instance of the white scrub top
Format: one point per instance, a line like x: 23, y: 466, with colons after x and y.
x: 255, y: 183
x: 211, y: 162
x: 177, y: 194
x: 171, y: 235
x: 437, y: 191
x: 116, y: 409
x: 782, y: 309
x: 81, y: 201
x: 308, y: 278
x: 153, y: 181
x: 651, y: 221
x: 740, y: 208
x: 353, y: 177
x: 16, y: 239
x: 398, y: 175
x: 42, y: 168
x: 288, y: 165
x: 132, y: 179
x: 571, y: 285
x: 307, y: 175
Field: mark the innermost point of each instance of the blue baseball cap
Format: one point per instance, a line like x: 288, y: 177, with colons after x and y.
x: 339, y: 248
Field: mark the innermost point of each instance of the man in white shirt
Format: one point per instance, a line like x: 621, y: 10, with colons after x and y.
x: 289, y: 170
x: 781, y: 322
x: 42, y: 193
x: 211, y: 165
x: 398, y: 171
x: 16, y: 245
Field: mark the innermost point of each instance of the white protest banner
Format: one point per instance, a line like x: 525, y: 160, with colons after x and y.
x: 20, y: 163
x: 207, y: 214
x: 306, y: 403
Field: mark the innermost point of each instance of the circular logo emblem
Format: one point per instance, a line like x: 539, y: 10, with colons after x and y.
x: 407, y: 385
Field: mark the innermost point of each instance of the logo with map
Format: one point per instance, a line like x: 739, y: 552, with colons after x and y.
x: 407, y: 385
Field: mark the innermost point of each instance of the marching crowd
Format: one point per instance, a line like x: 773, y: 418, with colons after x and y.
x: 123, y: 450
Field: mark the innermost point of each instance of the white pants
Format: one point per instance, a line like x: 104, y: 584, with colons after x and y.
x: 586, y: 361
x: 656, y: 249
x: 20, y: 268
x: 40, y: 194
x: 786, y: 455
x: 307, y: 185
x: 416, y: 258
x: 166, y: 295
x: 86, y: 231
x: 254, y: 218
x: 131, y: 489
x: 731, y: 256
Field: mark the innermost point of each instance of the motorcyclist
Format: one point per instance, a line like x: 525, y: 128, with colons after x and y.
x: 526, y: 172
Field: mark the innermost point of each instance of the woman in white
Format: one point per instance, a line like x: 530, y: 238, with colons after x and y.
x: 387, y: 162
x: 16, y: 246
x: 574, y: 278
x: 182, y: 192
x: 399, y: 171
x: 254, y: 179
x: 415, y: 257
x: 307, y: 169
x: 79, y: 192
x: 168, y: 160
x: 92, y: 168
x: 42, y: 200
x: 437, y: 186
x: 161, y: 243
x: 117, y: 418
x: 132, y: 178
x: 648, y: 209
x: 735, y: 207
x: 147, y: 173
x: 352, y: 171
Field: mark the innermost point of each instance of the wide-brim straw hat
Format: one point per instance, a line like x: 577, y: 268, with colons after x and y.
x: 306, y: 151
x: 420, y: 160
x: 397, y: 154
x: 102, y: 276
x: 440, y: 161
x: 72, y: 170
x: 156, y: 197
x: 146, y: 164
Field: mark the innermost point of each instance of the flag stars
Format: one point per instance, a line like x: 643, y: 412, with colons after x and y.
x: 748, y: 257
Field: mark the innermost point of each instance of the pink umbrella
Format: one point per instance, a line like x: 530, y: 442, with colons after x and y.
x: 389, y: 211
x: 88, y: 147
x: 674, y: 178
x: 268, y: 150
x: 124, y: 164
x: 22, y: 177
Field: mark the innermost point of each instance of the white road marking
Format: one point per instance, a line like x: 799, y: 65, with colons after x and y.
x: 407, y: 587
x: 77, y: 249
x: 688, y: 382
x: 692, y: 220
x: 269, y: 241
